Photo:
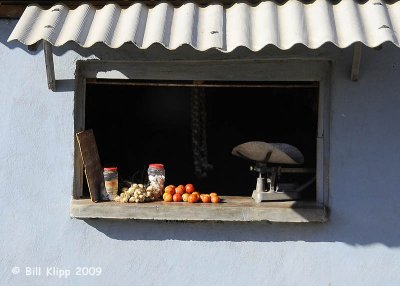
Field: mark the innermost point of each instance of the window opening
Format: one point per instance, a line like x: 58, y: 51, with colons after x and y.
x: 141, y: 122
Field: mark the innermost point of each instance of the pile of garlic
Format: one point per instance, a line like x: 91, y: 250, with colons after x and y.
x: 137, y: 193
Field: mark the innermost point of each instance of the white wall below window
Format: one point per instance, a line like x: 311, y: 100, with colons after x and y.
x: 360, y: 245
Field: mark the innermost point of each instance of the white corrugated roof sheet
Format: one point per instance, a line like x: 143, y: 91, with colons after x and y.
x: 214, y: 26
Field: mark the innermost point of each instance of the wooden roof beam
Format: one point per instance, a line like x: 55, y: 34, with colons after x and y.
x: 48, y: 57
x: 355, y: 68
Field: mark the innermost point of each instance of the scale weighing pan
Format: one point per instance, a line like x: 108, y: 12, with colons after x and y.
x: 275, y: 153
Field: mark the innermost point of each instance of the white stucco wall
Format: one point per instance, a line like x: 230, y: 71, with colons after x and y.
x: 360, y: 245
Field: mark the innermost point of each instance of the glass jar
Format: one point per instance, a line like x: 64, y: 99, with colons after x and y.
x: 156, y: 174
x: 111, y: 181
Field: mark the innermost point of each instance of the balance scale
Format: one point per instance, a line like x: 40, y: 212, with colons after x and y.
x: 267, y: 159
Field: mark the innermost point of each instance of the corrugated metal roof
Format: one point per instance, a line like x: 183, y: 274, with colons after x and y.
x: 214, y: 26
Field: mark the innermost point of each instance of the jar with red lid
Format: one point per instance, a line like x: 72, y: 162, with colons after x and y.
x: 111, y: 181
x: 156, y: 173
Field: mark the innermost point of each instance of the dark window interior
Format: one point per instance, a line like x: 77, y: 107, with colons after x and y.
x: 138, y: 125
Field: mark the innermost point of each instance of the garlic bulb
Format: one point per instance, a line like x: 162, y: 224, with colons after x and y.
x: 138, y: 193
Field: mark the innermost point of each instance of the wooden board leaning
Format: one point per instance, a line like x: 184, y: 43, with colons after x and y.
x: 92, y: 164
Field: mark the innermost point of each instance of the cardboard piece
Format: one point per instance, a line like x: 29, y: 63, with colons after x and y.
x: 92, y: 164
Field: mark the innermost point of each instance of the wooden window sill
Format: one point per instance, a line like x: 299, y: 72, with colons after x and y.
x: 231, y: 209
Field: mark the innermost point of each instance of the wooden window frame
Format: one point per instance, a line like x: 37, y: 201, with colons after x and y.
x: 267, y: 70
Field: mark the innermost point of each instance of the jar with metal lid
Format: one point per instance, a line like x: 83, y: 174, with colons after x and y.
x: 156, y: 173
x: 111, y: 181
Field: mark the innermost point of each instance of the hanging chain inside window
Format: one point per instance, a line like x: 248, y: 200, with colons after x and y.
x: 199, y: 132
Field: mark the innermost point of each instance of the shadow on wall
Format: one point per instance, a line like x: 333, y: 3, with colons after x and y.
x: 63, y: 85
x: 6, y: 30
x: 349, y: 233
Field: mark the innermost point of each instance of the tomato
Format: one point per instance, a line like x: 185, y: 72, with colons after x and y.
x: 167, y: 197
x: 215, y: 199
x: 180, y: 189
x: 170, y: 190
x: 193, y: 198
x: 177, y: 198
x: 185, y: 197
x: 189, y: 188
x: 205, y: 198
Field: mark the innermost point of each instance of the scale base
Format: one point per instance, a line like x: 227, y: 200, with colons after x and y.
x: 275, y: 196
